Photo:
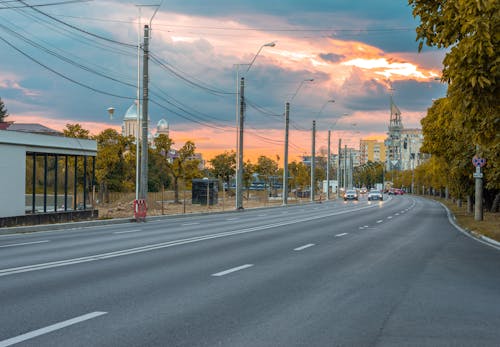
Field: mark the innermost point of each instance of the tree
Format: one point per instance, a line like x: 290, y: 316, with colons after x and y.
x: 469, y: 29
x: 178, y: 166
x: 3, y: 111
x: 248, y: 171
x: 158, y: 163
x: 114, y: 165
x: 267, y: 168
x: 76, y: 131
x: 224, y: 166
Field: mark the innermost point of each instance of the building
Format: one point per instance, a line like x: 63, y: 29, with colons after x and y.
x: 45, y: 178
x: 411, y: 140
x: 393, y: 140
x: 371, y: 150
x: 402, y: 145
x: 162, y: 128
x: 130, y: 126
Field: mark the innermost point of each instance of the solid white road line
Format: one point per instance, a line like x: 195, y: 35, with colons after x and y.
x: 340, y: 235
x: 127, y: 231
x: 303, y: 247
x: 234, y: 269
x: 262, y: 215
x: 161, y: 245
x: 186, y: 224
x: 23, y: 244
x: 230, y: 219
x: 50, y: 329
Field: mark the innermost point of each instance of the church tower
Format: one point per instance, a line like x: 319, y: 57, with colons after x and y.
x: 393, y: 141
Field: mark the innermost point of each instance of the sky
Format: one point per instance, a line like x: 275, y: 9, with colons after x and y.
x: 68, y: 61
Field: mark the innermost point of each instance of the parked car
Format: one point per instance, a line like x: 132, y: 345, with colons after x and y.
x: 375, y: 194
x: 396, y: 191
x: 350, y: 195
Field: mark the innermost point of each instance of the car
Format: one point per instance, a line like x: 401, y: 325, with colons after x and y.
x: 363, y: 190
x: 396, y: 191
x: 350, y: 195
x: 375, y: 194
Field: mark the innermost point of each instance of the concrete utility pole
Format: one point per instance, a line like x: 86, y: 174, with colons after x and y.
x: 338, y: 167
x: 285, y: 156
x: 313, y: 159
x: 239, y: 173
x: 328, y: 168
x: 145, y: 99
x: 345, y: 168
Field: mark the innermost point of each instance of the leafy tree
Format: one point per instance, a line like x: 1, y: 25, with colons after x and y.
x: 76, y: 131
x: 300, y: 175
x: 3, y: 111
x: 179, y: 169
x: 114, y: 171
x: 224, y: 165
x: 266, y: 168
x: 248, y: 170
x: 470, y: 30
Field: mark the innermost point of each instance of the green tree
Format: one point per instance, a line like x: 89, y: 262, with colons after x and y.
x: 267, y: 168
x: 248, y: 170
x: 3, y: 111
x: 179, y: 168
x: 76, y: 131
x: 114, y: 167
x: 224, y: 166
x: 300, y: 175
x: 470, y: 30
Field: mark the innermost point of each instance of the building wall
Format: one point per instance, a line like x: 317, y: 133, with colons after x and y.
x: 13, y: 186
x: 371, y: 150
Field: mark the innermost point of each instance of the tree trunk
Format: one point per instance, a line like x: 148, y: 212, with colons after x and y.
x: 469, y: 204
x: 495, y: 206
x: 176, y: 190
x: 459, y: 203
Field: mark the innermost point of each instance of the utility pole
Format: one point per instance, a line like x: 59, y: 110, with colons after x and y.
x: 145, y: 99
x: 345, y: 168
x: 313, y: 159
x: 338, y: 167
x: 285, y: 156
x: 328, y: 168
x: 239, y: 173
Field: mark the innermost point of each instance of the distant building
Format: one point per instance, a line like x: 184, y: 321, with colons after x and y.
x: 129, y: 126
x: 371, y: 150
x: 162, y: 128
x: 412, y: 140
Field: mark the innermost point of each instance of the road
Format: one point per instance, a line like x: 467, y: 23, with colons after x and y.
x: 391, y: 273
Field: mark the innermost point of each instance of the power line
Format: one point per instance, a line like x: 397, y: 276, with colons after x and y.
x: 77, y: 28
x: 64, y: 76
x: 42, y: 5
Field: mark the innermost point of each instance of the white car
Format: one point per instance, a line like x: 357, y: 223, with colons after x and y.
x: 375, y: 194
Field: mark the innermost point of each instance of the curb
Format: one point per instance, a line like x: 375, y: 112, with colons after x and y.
x: 472, y: 234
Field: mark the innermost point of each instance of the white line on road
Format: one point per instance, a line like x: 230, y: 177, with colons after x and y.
x: 23, y: 244
x: 380, y: 221
x: 50, y: 329
x: 396, y: 214
x: 262, y: 215
x: 186, y: 224
x: 340, y: 235
x: 303, y: 247
x: 161, y: 245
x: 230, y: 219
x: 234, y: 269
x: 390, y: 217
x: 127, y: 231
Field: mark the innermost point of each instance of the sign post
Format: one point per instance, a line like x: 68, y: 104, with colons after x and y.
x: 478, y: 177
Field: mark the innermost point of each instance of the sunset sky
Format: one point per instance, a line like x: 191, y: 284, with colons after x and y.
x: 69, y: 61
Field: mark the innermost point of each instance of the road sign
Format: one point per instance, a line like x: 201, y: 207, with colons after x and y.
x: 478, y: 175
x: 478, y: 162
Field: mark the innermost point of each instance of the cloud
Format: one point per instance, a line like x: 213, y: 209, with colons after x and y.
x: 331, y: 57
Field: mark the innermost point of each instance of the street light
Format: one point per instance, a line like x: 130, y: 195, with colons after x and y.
x: 240, y: 119
x: 111, y: 111
x: 285, y: 156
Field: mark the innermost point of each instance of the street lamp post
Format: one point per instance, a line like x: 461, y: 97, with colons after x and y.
x: 285, y: 156
x: 240, y: 120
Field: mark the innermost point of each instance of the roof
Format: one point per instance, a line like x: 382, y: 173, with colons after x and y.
x: 33, y: 128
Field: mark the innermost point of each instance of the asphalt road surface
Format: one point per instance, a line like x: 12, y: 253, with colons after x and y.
x: 391, y: 273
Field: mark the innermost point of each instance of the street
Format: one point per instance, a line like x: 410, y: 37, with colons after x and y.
x: 357, y: 273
